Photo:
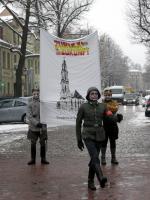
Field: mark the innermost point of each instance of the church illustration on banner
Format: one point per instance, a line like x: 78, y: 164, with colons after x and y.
x: 68, y: 100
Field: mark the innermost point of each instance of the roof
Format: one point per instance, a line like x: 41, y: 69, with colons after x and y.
x: 77, y: 95
x: 114, y: 87
x: 135, y: 70
x: 5, y: 15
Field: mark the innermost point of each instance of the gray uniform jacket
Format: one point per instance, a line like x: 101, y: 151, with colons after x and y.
x: 33, y: 115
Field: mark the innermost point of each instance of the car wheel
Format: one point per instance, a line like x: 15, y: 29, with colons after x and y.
x: 24, y: 118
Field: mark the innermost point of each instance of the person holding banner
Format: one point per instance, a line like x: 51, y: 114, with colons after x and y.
x: 36, y: 129
x: 91, y: 113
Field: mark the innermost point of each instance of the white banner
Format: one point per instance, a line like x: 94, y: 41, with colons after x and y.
x: 67, y: 69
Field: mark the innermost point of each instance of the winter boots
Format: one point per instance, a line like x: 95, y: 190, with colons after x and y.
x: 33, y: 154
x: 113, y: 156
x: 102, y: 179
x: 43, y: 155
x: 91, y: 179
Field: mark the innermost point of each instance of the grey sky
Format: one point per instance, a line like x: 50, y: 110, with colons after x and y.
x: 109, y: 16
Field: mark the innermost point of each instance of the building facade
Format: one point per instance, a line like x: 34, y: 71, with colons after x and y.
x: 136, y: 80
x: 10, y: 38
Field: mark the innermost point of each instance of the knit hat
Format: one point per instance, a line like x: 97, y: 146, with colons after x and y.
x: 107, y: 92
x: 92, y: 89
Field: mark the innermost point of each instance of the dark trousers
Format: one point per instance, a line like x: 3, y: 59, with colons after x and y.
x: 35, y: 137
x: 111, y: 140
x: 93, y: 148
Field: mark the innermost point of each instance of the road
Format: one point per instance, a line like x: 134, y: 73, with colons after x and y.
x: 130, y: 141
x: 66, y: 176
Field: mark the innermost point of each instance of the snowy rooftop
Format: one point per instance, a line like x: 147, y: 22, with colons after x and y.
x: 4, y: 42
x: 6, y: 18
x: 135, y: 70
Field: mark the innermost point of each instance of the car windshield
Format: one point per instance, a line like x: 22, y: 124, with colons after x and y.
x: 116, y: 91
x: 130, y: 95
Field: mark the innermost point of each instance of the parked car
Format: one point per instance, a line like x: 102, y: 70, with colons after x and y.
x: 13, y: 110
x: 26, y: 99
x: 131, y: 98
x: 147, y: 110
x: 145, y: 100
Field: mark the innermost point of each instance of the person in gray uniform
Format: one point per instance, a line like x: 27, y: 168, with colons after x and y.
x: 36, y: 130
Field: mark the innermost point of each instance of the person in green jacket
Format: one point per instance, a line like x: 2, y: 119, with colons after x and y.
x: 90, y: 120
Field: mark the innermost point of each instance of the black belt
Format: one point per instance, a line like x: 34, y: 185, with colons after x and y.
x: 93, y: 125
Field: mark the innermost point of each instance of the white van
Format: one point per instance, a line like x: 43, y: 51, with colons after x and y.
x: 118, y: 92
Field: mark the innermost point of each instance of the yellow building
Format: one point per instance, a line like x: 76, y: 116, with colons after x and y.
x: 10, y: 38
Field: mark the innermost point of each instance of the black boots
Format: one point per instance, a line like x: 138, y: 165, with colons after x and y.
x: 33, y: 154
x: 102, y: 179
x: 114, y: 161
x: 43, y: 156
x: 103, y: 157
x: 113, y: 156
x: 91, y: 175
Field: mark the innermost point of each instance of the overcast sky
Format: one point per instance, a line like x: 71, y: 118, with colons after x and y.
x: 109, y: 16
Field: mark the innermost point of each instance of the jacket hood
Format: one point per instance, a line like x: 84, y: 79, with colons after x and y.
x: 92, y: 89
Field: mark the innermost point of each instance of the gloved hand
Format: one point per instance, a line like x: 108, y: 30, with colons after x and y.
x: 119, y: 117
x: 39, y: 125
x: 80, y: 145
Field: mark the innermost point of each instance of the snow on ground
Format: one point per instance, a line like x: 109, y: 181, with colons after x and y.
x: 138, y: 118
x: 11, y: 132
x: 5, y: 128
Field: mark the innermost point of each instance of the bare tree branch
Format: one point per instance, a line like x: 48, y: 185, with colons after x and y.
x: 139, y: 17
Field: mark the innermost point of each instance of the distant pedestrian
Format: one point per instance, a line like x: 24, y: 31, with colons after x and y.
x: 91, y: 113
x: 37, y: 130
x: 111, y: 127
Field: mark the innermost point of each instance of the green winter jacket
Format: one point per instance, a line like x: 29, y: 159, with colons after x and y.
x: 89, y: 121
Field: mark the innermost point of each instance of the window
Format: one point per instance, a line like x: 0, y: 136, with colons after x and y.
x: 8, y: 88
x: 8, y: 60
x: 15, y: 58
x: 6, y: 104
x: 1, y: 32
x: 29, y: 63
x: 14, y: 37
x: 116, y: 91
x: 19, y: 103
x: 35, y: 66
x: 4, y: 59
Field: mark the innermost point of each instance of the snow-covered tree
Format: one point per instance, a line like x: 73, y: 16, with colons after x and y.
x: 114, y: 65
x: 35, y: 14
x: 139, y: 20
